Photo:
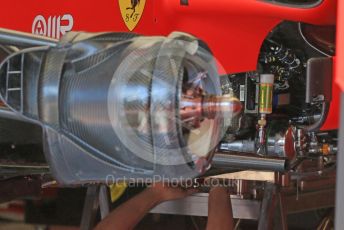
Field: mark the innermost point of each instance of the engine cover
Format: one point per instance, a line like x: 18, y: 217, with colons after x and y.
x: 110, y: 105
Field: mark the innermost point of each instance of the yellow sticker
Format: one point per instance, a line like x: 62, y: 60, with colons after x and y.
x: 117, y: 190
x: 131, y: 11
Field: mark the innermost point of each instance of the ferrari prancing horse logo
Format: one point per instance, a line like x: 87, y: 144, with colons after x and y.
x: 131, y: 11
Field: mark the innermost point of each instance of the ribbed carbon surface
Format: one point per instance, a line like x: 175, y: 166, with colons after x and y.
x: 84, y: 107
x: 109, y: 104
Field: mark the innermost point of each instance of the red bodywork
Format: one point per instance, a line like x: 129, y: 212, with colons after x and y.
x: 233, y: 29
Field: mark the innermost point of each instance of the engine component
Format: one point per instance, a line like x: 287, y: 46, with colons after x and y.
x: 265, y: 93
x: 120, y: 104
x: 195, y: 107
x: 301, y: 142
x: 312, y: 127
x: 322, y: 148
x: 286, y: 107
x: 251, y: 92
x: 288, y: 60
x: 265, y: 107
x: 302, y: 120
x: 281, y: 142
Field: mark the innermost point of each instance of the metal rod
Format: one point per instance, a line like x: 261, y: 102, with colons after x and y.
x: 104, y: 201
x: 248, y: 161
x: 268, y: 207
x: 282, y: 211
x: 90, y: 209
x: 15, y: 38
x: 22, y: 83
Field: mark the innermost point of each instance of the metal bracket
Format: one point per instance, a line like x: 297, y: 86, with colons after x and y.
x: 97, y: 196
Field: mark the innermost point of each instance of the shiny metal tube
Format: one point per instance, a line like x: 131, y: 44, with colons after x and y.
x: 317, y: 125
x: 248, y: 161
x: 209, y: 106
x: 242, y: 146
x: 15, y: 38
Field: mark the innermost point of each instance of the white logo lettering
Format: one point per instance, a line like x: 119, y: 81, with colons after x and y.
x: 54, y: 27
